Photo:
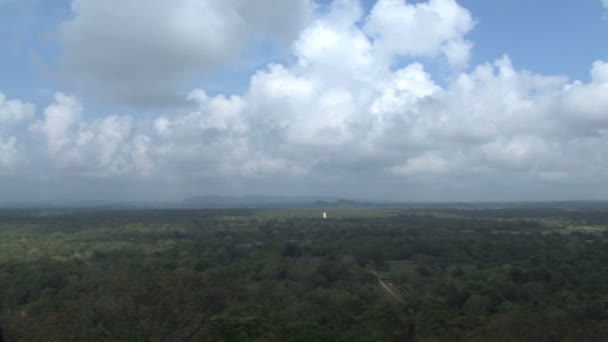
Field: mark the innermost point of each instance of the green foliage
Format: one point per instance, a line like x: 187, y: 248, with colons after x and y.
x: 270, y: 275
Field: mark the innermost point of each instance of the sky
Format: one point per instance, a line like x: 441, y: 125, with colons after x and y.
x: 436, y: 100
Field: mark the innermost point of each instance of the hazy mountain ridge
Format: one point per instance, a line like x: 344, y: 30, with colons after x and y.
x: 269, y: 200
x: 277, y: 201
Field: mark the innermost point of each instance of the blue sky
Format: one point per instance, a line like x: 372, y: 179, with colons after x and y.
x: 408, y: 100
x: 27, y: 35
x: 549, y: 37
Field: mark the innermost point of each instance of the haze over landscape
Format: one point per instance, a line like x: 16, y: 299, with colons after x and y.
x: 395, y: 100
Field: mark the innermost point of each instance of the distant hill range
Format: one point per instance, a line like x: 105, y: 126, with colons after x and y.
x: 212, y: 201
x: 263, y: 201
x: 272, y: 201
x: 268, y: 201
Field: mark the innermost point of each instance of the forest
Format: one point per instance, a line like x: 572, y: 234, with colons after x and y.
x: 516, y: 274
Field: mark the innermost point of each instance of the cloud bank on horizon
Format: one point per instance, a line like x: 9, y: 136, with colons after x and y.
x: 352, y: 108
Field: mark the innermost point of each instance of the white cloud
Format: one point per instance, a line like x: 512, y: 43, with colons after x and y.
x: 587, y: 103
x: 103, y: 147
x: 8, y: 153
x: 516, y: 151
x: 421, y: 29
x: 425, y: 164
x: 61, y: 120
x: 14, y: 111
x: 13, y: 114
x: 338, y: 116
x: 405, y: 88
x: 138, y: 51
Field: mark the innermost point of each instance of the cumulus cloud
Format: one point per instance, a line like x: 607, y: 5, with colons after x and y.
x: 421, y: 29
x: 13, y: 114
x: 339, y: 117
x: 138, y: 51
x: 587, y: 103
x: 61, y: 119
x: 425, y: 164
x: 103, y: 147
x: 8, y: 152
x: 14, y: 111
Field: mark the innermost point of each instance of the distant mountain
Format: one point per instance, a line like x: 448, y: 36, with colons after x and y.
x: 343, y: 201
x: 265, y: 201
x: 271, y: 201
x: 87, y: 204
x: 211, y: 201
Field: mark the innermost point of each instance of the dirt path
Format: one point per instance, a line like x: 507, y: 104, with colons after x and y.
x: 385, y: 286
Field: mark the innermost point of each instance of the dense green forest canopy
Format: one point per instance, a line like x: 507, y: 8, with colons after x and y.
x: 527, y: 274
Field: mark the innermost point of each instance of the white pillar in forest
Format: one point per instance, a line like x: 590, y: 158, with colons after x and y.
x: 324, y: 215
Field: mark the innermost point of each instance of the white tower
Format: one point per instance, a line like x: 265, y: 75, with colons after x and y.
x: 324, y: 215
